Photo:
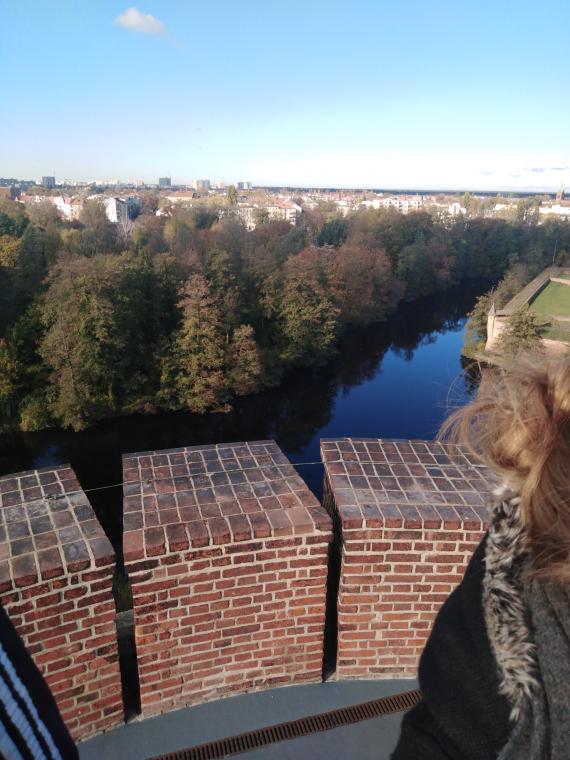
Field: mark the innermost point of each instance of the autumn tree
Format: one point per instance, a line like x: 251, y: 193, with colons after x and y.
x: 10, y: 247
x: 364, y: 286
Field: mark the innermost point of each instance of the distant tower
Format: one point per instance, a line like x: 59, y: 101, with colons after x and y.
x: 164, y: 182
x: 560, y: 194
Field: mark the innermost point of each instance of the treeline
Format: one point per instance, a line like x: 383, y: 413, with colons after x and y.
x: 188, y: 311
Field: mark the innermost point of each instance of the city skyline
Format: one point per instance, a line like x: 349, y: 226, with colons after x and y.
x: 326, y: 96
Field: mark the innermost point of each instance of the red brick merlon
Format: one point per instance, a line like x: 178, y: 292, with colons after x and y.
x: 226, y: 549
x: 56, y: 575
x: 410, y: 517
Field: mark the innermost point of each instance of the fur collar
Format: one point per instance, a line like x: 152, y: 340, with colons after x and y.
x: 503, y: 604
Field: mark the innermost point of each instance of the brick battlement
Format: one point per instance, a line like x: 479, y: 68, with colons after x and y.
x: 210, y: 495
x: 56, y: 572
x: 410, y: 520
x: 227, y: 552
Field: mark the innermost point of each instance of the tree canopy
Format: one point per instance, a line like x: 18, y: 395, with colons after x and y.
x: 189, y: 309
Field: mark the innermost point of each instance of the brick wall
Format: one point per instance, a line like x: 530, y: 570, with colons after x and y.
x: 226, y: 549
x: 56, y: 569
x: 410, y: 521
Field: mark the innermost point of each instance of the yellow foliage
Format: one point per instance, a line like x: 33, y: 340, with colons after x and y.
x: 9, y: 250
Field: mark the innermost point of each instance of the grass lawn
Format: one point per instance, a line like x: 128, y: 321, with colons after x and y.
x: 557, y: 331
x: 554, y: 299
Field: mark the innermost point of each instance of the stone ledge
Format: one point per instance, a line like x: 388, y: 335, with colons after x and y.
x: 200, y: 496
x: 47, y: 528
x: 405, y: 484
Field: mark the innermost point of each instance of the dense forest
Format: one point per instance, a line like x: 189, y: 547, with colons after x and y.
x: 187, y: 311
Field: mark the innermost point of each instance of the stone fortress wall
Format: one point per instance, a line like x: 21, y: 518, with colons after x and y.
x: 240, y: 579
x: 497, y: 318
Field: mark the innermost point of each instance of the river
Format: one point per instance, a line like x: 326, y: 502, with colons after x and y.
x: 397, y: 379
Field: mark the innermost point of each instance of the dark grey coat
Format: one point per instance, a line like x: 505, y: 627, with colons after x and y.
x: 495, y: 673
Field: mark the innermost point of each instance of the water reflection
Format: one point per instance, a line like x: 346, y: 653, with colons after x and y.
x: 388, y: 380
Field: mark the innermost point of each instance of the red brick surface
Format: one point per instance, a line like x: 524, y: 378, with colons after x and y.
x: 56, y: 571
x: 411, y: 519
x: 226, y: 549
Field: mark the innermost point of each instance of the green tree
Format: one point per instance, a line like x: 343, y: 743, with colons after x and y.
x: 232, y: 195
x: 13, y: 218
x: 476, y: 328
x: 7, y: 382
x: 222, y: 269
x: 204, y: 218
x: 467, y: 202
x: 193, y: 372
x: 27, y: 373
x: 81, y: 344
x: 244, y: 362
x: 261, y: 216
x: 150, y: 202
x: 99, y: 234
x: 43, y: 213
x: 308, y: 316
x: 333, y: 233
x: 521, y: 333
x: 37, y: 252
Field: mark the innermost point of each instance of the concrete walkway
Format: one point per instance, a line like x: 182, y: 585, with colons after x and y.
x: 369, y: 740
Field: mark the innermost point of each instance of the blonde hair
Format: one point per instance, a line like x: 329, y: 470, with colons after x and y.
x: 519, y: 425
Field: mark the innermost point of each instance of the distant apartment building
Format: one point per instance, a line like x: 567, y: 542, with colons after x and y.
x: 243, y: 186
x: 344, y: 207
x: 246, y: 214
x: 555, y: 208
x: 181, y: 196
x: 455, y: 209
x: 402, y: 204
x: 7, y: 192
x: 164, y: 182
x: 202, y: 185
x: 287, y: 212
x: 116, y: 210
x: 68, y: 206
x: 48, y: 182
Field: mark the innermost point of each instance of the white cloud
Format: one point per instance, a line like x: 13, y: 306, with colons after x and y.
x: 143, y: 23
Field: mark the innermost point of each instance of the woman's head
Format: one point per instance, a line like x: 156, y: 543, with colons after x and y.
x: 519, y: 425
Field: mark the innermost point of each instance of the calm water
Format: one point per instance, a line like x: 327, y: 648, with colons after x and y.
x: 394, y: 380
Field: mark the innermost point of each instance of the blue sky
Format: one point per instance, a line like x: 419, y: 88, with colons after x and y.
x: 373, y: 94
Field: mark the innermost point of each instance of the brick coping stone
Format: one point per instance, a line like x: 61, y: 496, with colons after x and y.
x: 406, y: 484
x: 47, y: 528
x: 200, y: 496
